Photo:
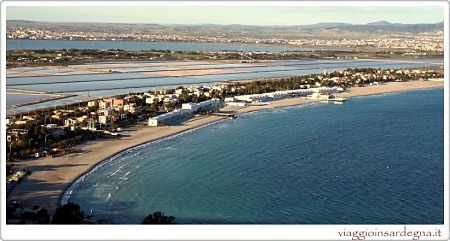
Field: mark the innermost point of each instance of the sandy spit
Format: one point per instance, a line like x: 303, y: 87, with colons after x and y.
x: 52, y: 176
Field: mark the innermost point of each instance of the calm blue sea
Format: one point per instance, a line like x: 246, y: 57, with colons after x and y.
x: 372, y: 160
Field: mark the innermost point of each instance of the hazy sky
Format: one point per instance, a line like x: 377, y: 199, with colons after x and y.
x: 229, y: 15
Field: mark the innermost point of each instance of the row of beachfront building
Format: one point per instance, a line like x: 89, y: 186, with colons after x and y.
x: 186, y: 111
x: 189, y: 109
x: 243, y: 100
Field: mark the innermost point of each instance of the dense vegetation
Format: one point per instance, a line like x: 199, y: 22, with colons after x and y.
x: 158, y: 218
x: 69, y: 213
x: 35, y: 141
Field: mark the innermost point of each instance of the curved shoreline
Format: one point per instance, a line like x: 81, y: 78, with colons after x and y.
x: 52, y: 178
x: 68, y: 191
x: 65, y: 196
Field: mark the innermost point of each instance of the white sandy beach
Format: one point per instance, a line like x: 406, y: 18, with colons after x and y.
x: 52, y: 176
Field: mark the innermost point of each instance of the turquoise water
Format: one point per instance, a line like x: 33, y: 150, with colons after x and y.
x: 372, y: 160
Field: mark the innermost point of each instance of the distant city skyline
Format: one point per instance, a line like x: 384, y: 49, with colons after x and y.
x: 246, y: 15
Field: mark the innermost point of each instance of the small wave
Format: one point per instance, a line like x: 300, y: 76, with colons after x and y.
x: 220, y: 127
x: 115, y: 172
x: 124, y: 177
x: 69, y: 191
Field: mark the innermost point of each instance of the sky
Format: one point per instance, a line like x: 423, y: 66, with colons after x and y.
x: 251, y: 15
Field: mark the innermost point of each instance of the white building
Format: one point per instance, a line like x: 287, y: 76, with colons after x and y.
x: 169, y: 117
x: 328, y: 90
x: 103, y: 105
x: 151, y: 99
x: 130, y: 107
x: 230, y: 99
x: 70, y: 122
x: 207, y: 105
x: 93, y: 103
x: 320, y: 96
x: 253, y: 98
x: 103, y: 119
x: 278, y: 95
x: 91, y: 125
x: 186, y: 111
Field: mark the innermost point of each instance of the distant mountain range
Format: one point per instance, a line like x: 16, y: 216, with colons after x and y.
x: 319, y: 30
x: 379, y: 24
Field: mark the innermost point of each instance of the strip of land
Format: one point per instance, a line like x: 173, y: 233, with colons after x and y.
x: 393, y: 87
x: 37, y: 97
x: 176, y: 73
x: 52, y: 176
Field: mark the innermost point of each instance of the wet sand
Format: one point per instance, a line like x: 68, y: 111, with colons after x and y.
x: 52, y: 176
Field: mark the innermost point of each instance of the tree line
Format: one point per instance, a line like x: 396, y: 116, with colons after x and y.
x: 71, y: 213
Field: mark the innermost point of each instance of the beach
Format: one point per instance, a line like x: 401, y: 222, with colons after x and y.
x: 52, y: 176
x: 392, y: 87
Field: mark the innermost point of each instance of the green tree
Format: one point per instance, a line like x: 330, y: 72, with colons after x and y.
x: 42, y: 217
x: 169, y: 106
x: 155, y: 106
x: 158, y: 218
x: 70, y: 213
